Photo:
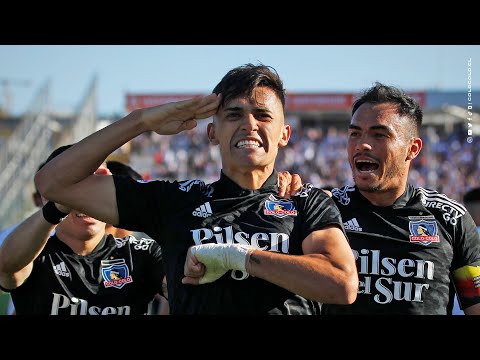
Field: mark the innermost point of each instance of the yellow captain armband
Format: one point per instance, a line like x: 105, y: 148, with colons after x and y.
x: 467, y: 281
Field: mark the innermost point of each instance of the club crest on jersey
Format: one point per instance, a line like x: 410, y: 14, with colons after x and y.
x: 423, y: 231
x: 279, y: 208
x: 115, y: 273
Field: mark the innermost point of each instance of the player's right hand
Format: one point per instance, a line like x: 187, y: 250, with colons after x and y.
x: 217, y: 260
x: 288, y: 184
x: 174, y: 117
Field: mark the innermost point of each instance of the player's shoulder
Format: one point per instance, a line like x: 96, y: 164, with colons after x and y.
x: 310, y: 195
x: 436, y: 201
x: 195, y: 185
x: 439, y: 204
x: 136, y: 242
x: 343, y: 195
x: 309, y: 189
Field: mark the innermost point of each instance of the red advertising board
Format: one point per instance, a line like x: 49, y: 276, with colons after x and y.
x: 297, y: 102
x: 146, y: 100
x: 294, y: 101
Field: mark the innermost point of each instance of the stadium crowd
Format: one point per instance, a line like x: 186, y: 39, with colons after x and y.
x: 447, y: 163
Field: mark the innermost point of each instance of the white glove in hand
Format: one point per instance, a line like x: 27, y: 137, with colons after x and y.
x: 219, y: 258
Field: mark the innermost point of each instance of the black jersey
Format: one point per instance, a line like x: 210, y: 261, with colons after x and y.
x: 406, y: 253
x: 120, y: 277
x: 186, y: 213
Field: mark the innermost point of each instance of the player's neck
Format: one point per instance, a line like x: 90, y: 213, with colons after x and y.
x: 81, y: 245
x: 251, y: 179
x: 386, y: 193
x: 383, y: 198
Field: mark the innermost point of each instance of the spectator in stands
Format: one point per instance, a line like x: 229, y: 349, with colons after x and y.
x: 408, y: 242
x: 230, y: 247
x: 79, y: 270
x: 446, y: 163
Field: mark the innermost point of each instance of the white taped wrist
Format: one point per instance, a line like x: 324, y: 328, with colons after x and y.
x: 238, y: 256
x: 219, y: 258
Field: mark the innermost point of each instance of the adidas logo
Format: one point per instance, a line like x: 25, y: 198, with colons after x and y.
x: 352, y: 225
x: 203, y: 211
x: 61, y: 269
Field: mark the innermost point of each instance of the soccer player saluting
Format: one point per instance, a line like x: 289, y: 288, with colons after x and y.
x: 232, y: 246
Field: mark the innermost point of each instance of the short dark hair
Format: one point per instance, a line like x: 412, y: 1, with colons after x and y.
x: 119, y: 168
x: 242, y: 80
x: 406, y: 105
x: 472, y: 195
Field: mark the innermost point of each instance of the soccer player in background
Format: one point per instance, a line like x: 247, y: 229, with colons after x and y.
x: 79, y: 270
x: 413, y: 246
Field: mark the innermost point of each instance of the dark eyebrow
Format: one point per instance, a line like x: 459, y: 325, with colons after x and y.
x: 239, y: 108
x: 374, y: 127
x: 233, y: 108
x: 380, y: 127
x: 263, y: 110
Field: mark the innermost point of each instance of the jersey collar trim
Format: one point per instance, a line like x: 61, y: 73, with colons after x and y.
x: 226, y: 186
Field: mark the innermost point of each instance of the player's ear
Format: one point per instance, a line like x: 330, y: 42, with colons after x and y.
x: 414, y: 149
x: 284, y: 136
x: 37, y: 199
x: 211, y: 134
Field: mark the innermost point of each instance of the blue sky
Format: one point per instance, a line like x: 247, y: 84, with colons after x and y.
x: 122, y: 69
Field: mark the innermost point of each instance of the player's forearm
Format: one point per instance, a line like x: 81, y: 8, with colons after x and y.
x: 83, y: 158
x: 24, y: 243
x: 472, y: 310
x: 311, y: 276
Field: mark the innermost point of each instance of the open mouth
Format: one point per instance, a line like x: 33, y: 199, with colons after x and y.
x: 248, y: 144
x: 366, y: 166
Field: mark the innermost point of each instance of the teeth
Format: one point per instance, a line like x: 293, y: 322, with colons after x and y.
x: 245, y: 143
x: 360, y: 163
x: 366, y: 161
x: 366, y: 171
